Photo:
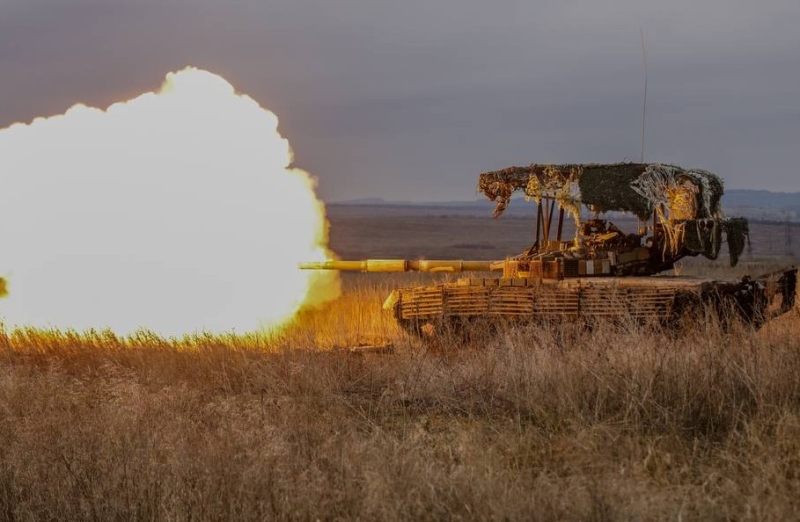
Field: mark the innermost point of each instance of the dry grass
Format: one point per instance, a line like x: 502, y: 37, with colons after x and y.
x: 548, y: 423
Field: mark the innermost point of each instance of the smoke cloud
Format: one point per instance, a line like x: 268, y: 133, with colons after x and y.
x: 175, y: 212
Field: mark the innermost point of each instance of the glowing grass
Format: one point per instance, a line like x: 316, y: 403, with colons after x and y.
x: 546, y: 423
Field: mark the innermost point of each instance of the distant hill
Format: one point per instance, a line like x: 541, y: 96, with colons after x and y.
x: 763, y: 204
x: 763, y: 198
x: 370, y: 201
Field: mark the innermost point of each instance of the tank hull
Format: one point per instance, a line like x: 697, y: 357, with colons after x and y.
x: 643, y: 299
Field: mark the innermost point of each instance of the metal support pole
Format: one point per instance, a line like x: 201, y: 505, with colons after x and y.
x: 550, y: 219
x: 538, y: 222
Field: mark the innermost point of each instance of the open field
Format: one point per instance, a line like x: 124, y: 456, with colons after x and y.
x: 546, y: 423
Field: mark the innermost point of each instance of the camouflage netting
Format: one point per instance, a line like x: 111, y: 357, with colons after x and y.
x: 738, y: 231
x: 700, y: 236
x: 686, y: 201
x: 704, y: 236
x: 627, y: 187
x: 694, y: 194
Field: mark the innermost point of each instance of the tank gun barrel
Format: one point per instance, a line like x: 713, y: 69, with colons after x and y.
x: 404, y: 265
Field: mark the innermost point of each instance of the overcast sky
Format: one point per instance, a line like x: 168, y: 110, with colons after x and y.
x: 413, y: 99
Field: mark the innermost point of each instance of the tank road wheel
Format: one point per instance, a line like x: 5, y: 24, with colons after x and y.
x: 450, y: 332
x: 477, y: 329
x: 687, y: 309
x: 744, y: 302
x: 751, y: 302
x: 424, y: 329
x: 461, y: 331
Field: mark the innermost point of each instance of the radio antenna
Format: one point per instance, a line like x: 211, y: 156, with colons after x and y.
x: 644, y: 102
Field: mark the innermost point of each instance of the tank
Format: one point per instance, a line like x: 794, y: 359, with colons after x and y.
x: 601, y: 272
